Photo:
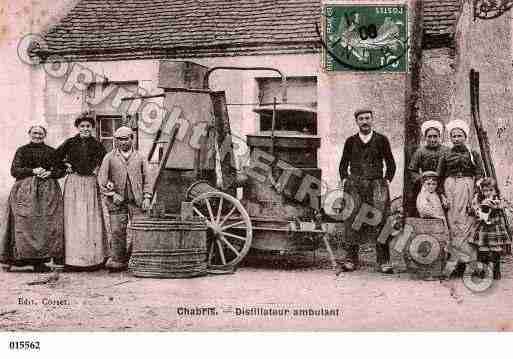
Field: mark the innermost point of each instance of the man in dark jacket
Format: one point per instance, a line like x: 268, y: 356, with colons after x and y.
x: 361, y: 173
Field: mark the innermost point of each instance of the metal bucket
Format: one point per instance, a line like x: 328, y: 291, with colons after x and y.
x: 168, y: 248
x: 198, y: 188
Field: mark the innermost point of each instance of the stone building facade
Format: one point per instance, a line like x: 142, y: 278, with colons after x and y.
x: 125, y: 41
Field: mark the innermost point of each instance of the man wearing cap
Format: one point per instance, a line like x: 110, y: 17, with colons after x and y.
x: 361, y: 172
x: 124, y: 181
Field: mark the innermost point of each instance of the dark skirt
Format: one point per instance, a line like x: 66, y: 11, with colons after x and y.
x: 491, y: 237
x: 34, y: 225
x: 374, y: 194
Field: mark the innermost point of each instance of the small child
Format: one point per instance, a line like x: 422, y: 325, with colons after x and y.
x: 491, y: 236
x: 429, y: 204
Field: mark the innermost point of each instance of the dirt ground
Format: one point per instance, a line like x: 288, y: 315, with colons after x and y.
x: 366, y: 300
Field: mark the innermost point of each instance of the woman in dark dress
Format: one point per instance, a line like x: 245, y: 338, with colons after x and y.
x: 426, y: 157
x: 34, y: 227
x: 82, y: 154
x: 460, y: 168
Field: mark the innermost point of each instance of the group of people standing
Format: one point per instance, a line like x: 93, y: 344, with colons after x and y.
x: 450, y: 184
x: 455, y: 189
x: 45, y: 226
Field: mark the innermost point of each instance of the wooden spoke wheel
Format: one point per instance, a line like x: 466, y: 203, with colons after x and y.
x: 230, y: 230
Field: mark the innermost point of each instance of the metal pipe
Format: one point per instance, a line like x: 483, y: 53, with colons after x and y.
x: 183, y: 89
x: 273, y: 125
x: 141, y: 97
x: 171, y: 89
x: 283, y: 77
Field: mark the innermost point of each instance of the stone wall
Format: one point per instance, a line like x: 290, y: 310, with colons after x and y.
x: 485, y: 45
x: 437, y: 84
x: 340, y: 93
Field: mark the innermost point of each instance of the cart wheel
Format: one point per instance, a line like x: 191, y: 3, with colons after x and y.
x: 229, y: 227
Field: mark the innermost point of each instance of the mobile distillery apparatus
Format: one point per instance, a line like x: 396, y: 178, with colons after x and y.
x: 209, y: 206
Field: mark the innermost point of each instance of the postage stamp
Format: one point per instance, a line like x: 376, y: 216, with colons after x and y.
x: 255, y: 166
x: 366, y: 37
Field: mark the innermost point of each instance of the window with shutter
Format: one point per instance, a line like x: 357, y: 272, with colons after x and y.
x: 299, y: 113
x: 108, y: 117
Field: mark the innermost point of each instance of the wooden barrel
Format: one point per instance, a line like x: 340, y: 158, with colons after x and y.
x: 425, y: 237
x: 167, y: 248
x: 198, y: 188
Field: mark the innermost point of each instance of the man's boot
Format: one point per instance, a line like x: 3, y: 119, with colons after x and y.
x: 118, y: 252
x: 383, y: 258
x: 496, y: 260
x: 351, y: 261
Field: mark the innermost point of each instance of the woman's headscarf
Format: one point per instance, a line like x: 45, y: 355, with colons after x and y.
x: 462, y: 125
x: 40, y: 125
x: 427, y: 125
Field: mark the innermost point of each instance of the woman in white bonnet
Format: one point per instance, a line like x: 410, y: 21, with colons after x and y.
x: 426, y: 157
x: 33, y: 232
x: 459, y: 168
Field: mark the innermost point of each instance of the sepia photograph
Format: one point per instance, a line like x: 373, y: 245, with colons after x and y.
x: 255, y: 166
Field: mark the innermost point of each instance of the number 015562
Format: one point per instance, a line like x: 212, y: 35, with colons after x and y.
x: 24, y: 345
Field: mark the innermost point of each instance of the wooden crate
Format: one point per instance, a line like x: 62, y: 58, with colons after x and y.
x: 181, y: 74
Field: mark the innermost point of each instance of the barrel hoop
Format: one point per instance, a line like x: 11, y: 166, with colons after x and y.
x: 166, y: 229
x: 170, y: 225
x: 167, y: 275
x: 169, y: 267
x: 166, y: 254
x: 157, y: 271
x: 174, y: 268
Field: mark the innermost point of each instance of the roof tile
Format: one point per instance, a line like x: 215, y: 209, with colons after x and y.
x: 439, y: 22
x: 188, y: 28
x: 137, y: 29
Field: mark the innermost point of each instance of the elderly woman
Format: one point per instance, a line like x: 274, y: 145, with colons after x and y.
x: 34, y: 226
x: 460, y: 168
x: 82, y: 154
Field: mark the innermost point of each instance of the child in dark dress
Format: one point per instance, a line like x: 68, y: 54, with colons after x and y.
x: 491, y: 236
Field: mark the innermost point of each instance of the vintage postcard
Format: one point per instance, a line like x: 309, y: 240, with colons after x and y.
x: 226, y: 166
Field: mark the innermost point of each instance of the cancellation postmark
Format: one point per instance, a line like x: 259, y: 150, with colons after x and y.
x: 365, y: 38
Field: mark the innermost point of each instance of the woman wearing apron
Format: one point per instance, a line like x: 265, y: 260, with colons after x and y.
x: 32, y: 232
x: 85, y: 245
x: 459, y: 168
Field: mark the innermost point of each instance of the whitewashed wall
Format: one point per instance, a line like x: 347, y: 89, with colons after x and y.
x: 241, y: 87
x: 28, y: 95
x: 340, y: 93
x: 485, y: 45
x: 21, y: 88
